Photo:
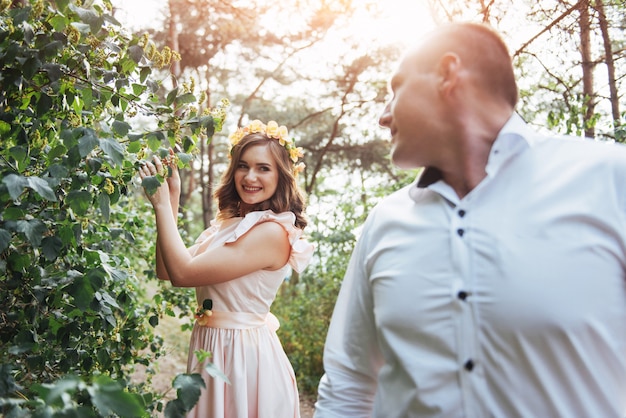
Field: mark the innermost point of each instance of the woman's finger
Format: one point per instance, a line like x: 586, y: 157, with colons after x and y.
x: 157, y: 164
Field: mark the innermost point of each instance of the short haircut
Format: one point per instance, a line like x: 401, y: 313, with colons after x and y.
x: 482, y: 50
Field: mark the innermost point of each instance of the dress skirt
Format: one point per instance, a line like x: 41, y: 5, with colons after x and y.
x: 247, y: 350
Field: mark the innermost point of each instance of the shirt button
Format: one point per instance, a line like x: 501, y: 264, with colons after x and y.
x: 469, y: 365
x: 460, y: 231
x: 461, y: 213
x: 462, y: 294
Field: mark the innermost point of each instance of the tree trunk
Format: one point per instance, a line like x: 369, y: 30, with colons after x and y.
x: 610, y: 63
x: 587, y: 67
x: 206, y: 177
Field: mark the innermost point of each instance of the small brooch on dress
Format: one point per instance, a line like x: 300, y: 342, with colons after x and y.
x: 204, y: 314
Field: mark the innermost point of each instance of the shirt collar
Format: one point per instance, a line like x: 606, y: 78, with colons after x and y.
x: 514, y: 137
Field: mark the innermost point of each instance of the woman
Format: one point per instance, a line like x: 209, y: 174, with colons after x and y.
x: 237, y: 266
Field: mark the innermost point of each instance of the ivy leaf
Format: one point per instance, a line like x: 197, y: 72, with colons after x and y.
x: 33, y: 229
x: 80, y: 201
x: 5, y: 239
x: 15, y: 185
x: 58, y: 172
x: 188, y: 143
x: 43, y: 105
x: 184, y: 158
x: 188, y: 387
x: 87, y: 142
x: 62, y: 5
x: 53, y: 392
x: 94, y: 21
x: 42, y: 188
x: 52, y: 49
x: 113, y: 149
x: 186, y: 98
x: 56, y: 152
x: 59, y: 22
x: 120, y: 127
x: 171, y: 96
x: 51, y: 247
x: 82, y: 292
x: 116, y: 274
x: 4, y: 127
x: 7, y: 381
x: 144, y: 73
x: 135, y: 52
x: 175, y: 409
x: 138, y: 89
x: 53, y: 71
x: 110, y: 398
x: 105, y: 205
x: 87, y: 95
x: 134, y: 147
x: 150, y: 183
x: 31, y: 66
x: 96, y: 277
x: 213, y: 371
x: 155, y: 139
x: 20, y: 155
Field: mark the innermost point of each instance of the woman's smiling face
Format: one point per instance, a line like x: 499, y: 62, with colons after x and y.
x: 256, y: 176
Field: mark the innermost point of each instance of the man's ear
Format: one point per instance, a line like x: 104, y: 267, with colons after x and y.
x: 448, y: 69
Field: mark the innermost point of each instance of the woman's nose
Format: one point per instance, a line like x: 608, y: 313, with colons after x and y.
x: 251, y: 174
x: 385, y: 117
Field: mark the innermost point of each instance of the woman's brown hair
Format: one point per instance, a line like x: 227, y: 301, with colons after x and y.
x: 288, y: 197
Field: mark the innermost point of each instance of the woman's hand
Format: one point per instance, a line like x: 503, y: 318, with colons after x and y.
x: 162, y: 193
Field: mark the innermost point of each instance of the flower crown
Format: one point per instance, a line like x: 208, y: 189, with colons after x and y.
x: 271, y: 130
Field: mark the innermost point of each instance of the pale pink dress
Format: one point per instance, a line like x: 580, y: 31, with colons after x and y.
x: 241, y: 334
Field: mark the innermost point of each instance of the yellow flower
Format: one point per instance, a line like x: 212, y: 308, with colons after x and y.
x: 256, y: 126
x: 283, y: 134
x: 299, y: 168
x: 286, y: 142
x: 203, y: 315
x: 295, y: 153
x: 272, y: 129
x: 236, y: 136
x: 108, y: 186
x: 203, y: 318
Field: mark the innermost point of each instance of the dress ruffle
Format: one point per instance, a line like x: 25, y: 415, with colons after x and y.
x: 301, y: 250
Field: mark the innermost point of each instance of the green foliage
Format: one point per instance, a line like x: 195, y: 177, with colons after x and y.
x: 102, y: 397
x: 304, y: 316
x: 70, y: 234
x: 305, y: 309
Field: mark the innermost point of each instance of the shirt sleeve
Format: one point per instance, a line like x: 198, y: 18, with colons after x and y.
x: 352, y: 356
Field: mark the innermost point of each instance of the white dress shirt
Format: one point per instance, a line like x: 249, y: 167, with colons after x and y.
x: 509, y: 302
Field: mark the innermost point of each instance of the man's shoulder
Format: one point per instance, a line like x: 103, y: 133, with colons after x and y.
x: 394, y: 205
x: 587, y: 148
x: 399, y: 197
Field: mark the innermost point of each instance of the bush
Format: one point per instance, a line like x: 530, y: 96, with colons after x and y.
x: 72, y: 320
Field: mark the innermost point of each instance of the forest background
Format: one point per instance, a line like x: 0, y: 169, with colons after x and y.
x: 84, y: 99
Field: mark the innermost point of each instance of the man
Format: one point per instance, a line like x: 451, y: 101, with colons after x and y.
x: 494, y: 286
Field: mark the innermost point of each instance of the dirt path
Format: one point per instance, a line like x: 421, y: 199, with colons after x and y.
x: 306, y: 407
